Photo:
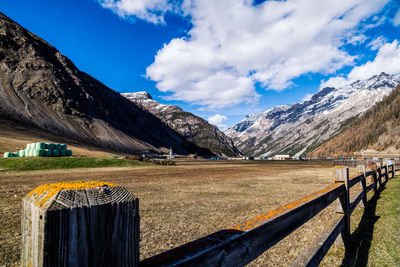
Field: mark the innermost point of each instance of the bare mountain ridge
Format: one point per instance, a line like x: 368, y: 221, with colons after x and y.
x: 41, y: 88
x: 190, y: 126
x: 300, y: 127
x: 376, y: 131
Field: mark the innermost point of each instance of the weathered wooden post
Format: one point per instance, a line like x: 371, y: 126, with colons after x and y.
x: 386, y: 173
x: 343, y: 205
x: 379, y: 171
x: 374, y: 177
x: 363, y: 184
x: 393, y: 170
x: 360, y: 169
x: 80, y: 224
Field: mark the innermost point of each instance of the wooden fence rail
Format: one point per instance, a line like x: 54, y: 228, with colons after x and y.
x: 241, y: 244
x: 96, y: 223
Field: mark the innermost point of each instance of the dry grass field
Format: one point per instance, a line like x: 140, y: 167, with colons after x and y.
x: 184, y: 202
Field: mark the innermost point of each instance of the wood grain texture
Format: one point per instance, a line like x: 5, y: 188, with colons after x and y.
x: 96, y: 226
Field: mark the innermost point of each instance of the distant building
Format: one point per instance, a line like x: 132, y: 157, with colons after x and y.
x: 171, y: 153
x: 282, y: 157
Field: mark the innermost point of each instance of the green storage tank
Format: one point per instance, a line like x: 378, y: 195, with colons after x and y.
x: 50, y: 146
x: 63, y: 146
x: 7, y: 155
x: 22, y: 153
x: 69, y: 153
x: 47, y: 153
x: 37, y: 152
x: 40, y: 145
x: 55, y: 153
x: 57, y: 146
x: 63, y: 153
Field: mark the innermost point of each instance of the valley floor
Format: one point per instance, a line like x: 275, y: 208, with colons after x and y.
x: 184, y: 202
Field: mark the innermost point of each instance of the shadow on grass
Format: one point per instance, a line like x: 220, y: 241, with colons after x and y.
x: 361, y: 238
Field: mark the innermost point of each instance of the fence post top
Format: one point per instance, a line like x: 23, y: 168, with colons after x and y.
x: 340, y: 166
x: 77, y: 194
x: 341, y: 174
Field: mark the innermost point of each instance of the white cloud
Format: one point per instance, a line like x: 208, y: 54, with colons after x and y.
x: 377, y: 43
x: 396, y: 19
x: 387, y: 60
x: 357, y: 39
x: 234, y: 44
x: 218, y: 120
x: 149, y: 10
x: 335, y: 82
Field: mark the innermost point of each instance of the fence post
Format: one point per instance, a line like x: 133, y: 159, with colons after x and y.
x: 393, y: 170
x: 80, y: 224
x: 363, y: 184
x: 379, y: 170
x: 343, y: 205
x: 386, y: 173
x: 375, y: 178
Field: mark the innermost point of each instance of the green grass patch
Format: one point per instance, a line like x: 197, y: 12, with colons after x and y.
x: 375, y: 238
x: 47, y: 163
x: 385, y: 245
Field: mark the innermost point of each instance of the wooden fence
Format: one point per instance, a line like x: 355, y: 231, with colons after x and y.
x: 239, y: 245
x: 235, y: 246
x: 356, y: 162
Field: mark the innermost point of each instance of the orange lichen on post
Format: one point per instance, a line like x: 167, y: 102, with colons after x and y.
x: 47, y: 191
x: 335, y: 180
x: 256, y: 221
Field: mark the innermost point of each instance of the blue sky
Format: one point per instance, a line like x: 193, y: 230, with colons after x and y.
x: 219, y: 59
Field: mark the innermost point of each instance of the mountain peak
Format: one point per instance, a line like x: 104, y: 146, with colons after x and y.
x: 142, y: 95
x: 43, y: 90
x: 190, y: 126
x: 300, y: 126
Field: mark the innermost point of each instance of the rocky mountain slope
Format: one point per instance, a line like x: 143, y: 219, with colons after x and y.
x: 377, y: 130
x: 300, y: 127
x: 190, y: 126
x: 42, y: 89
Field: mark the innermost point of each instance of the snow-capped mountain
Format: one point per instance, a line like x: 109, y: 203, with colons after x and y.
x: 190, y: 126
x: 299, y: 127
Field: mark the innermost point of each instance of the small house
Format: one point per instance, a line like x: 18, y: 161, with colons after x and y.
x: 282, y: 157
